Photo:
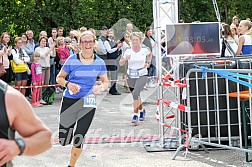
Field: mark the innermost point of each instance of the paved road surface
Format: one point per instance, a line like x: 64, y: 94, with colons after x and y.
x: 112, y: 121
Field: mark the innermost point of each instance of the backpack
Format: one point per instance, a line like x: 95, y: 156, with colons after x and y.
x: 48, y: 95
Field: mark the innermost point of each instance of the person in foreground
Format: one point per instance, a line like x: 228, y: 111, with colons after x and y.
x: 35, y: 136
x: 79, y: 103
x: 139, y: 58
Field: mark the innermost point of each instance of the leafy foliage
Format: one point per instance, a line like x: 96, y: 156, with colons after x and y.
x: 17, y: 16
x: 203, y: 10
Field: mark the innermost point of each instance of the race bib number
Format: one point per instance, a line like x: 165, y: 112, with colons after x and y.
x: 38, y: 70
x: 89, y: 101
x: 133, y: 73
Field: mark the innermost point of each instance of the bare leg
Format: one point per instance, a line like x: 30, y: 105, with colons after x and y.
x: 18, y: 83
x: 136, y: 105
x: 23, y: 83
x: 75, y: 154
x: 140, y: 104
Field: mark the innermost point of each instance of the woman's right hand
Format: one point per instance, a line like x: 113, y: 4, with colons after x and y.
x: 74, y: 88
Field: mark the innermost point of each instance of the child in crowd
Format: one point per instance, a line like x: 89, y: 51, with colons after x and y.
x: 36, y: 72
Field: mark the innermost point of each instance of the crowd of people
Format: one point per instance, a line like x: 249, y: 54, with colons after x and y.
x: 80, y: 63
x: 51, y: 54
x: 238, y: 35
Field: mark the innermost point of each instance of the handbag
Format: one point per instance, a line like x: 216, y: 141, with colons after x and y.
x: 18, y: 68
x: 2, y: 69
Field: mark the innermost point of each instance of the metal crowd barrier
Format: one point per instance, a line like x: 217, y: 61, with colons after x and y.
x: 219, y: 115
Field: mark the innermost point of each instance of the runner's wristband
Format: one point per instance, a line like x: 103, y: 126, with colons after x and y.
x: 66, y: 83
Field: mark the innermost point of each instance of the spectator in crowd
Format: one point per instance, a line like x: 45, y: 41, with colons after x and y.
x: 30, y: 43
x: 92, y: 30
x: 52, y: 40
x: 36, y: 72
x: 235, y: 21
x: 63, y: 51
x: 45, y: 53
x: 25, y: 43
x: 126, y: 44
x: 35, y: 137
x: 129, y: 28
x: 72, y: 35
x: 246, y: 33
x: 27, y: 49
x: 113, y: 52
x: 73, y: 47
x: 150, y: 43
x: 102, y: 38
x: 229, y: 36
x: 78, y: 87
x: 235, y: 33
x: 248, y: 19
x: 20, y: 57
x: 139, y: 59
x: 44, y: 34
x: 83, y: 29
x: 60, y: 32
x: 6, y: 54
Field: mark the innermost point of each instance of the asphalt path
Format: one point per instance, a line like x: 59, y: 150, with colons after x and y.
x: 112, y: 141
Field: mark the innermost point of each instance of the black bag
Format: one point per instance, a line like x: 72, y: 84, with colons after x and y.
x: 48, y: 95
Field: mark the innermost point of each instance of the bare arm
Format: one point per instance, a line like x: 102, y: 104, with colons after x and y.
x: 60, y: 79
x: 123, y: 60
x: 36, y: 135
x: 51, y: 50
x: 241, y: 42
x: 103, y: 86
x: 149, y: 57
x: 1, y: 54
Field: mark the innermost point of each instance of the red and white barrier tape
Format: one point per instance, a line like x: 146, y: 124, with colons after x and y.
x: 174, y: 105
x: 175, y: 128
x: 169, y: 83
x: 123, y: 79
x: 42, y: 86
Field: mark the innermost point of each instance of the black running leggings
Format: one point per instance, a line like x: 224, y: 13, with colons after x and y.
x: 72, y: 112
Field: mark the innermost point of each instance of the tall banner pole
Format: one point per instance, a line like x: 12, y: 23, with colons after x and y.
x: 157, y: 27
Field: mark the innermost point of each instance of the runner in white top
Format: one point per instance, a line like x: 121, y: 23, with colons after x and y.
x: 139, y: 59
x: 245, y: 28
